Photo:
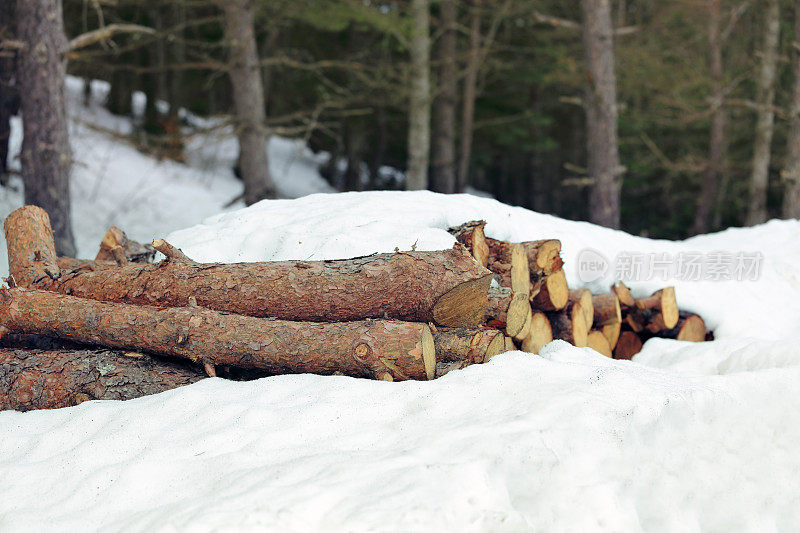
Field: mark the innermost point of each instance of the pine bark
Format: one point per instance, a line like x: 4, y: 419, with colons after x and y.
x: 60, y: 377
x: 419, y: 105
x: 446, y: 287
x: 443, y: 169
x: 378, y: 349
x: 248, y: 100
x: 717, y: 143
x: 46, y: 155
x: 601, y: 114
x: 765, y: 99
x: 791, y: 173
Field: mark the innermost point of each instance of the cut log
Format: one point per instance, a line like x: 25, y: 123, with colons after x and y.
x: 624, y: 294
x: 629, y: 344
x: 510, y: 265
x: 471, y: 235
x: 31, y: 251
x: 599, y: 343
x: 54, y: 378
x: 507, y: 311
x: 541, y: 333
x: 612, y: 331
x: 655, y: 313
x: 552, y: 293
x: 378, y: 349
x: 446, y: 287
x: 569, y: 324
x: 544, y: 257
x: 117, y: 247
x: 510, y: 346
x: 587, y: 304
x: 606, y: 310
x: 466, y: 346
x: 690, y: 327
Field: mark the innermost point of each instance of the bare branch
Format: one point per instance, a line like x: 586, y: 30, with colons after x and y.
x: 104, y: 33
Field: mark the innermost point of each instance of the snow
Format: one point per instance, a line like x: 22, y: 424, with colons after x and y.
x: 687, y: 437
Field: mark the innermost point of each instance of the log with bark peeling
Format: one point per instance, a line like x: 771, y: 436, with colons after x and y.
x: 446, y: 287
x: 459, y: 347
x: 61, y: 377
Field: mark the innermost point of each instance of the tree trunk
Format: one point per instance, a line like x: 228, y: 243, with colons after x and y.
x: 470, y: 91
x: 446, y: 287
x: 46, y: 156
x: 9, y: 95
x: 248, y: 100
x: 55, y: 378
x: 717, y: 144
x: 601, y: 114
x: 419, y: 115
x: 791, y: 173
x: 443, y: 177
x: 765, y: 98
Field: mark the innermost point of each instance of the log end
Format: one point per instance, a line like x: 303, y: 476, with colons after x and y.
x: 428, y: 352
x: 669, y: 307
x: 465, y: 305
x: 599, y: 343
x: 693, y: 329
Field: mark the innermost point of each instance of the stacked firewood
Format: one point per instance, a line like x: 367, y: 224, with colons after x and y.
x: 533, y: 304
x: 405, y: 315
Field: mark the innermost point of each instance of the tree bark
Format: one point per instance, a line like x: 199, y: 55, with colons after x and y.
x: 791, y: 173
x: 248, y: 100
x: 419, y: 114
x: 46, y: 155
x: 443, y: 171
x: 446, y: 287
x: 378, y: 349
x: 551, y: 292
x: 606, y: 309
x: 717, y: 143
x: 765, y: 98
x: 470, y: 92
x: 601, y: 114
x: 9, y: 95
x: 55, y: 378
x: 569, y: 324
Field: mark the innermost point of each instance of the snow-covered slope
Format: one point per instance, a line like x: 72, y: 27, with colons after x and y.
x: 687, y: 437
x: 565, y: 441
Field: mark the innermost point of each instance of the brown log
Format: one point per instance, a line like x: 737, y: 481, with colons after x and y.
x: 507, y: 311
x: 541, y: 333
x: 380, y: 349
x: 544, y: 257
x: 624, y: 294
x: 690, y: 327
x: 117, y: 247
x: 458, y: 347
x: 587, y: 303
x: 612, y: 331
x: 552, y: 293
x: 569, y: 324
x: 655, y: 313
x: 599, y: 343
x: 54, y: 378
x: 606, y: 309
x: 471, y: 235
x: 509, y: 263
x: 446, y: 287
x: 629, y: 344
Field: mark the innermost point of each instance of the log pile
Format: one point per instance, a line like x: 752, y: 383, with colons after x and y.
x: 614, y: 324
x: 120, y: 326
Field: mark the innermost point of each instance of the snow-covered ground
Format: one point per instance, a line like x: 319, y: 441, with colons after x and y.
x: 687, y: 437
